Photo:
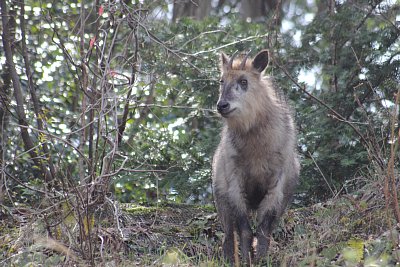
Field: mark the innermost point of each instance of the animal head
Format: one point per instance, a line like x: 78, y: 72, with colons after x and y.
x: 242, y: 89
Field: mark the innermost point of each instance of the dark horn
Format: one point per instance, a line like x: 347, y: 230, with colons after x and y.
x: 243, y: 64
x: 231, y: 60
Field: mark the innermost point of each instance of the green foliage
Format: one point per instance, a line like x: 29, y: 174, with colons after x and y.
x: 183, y: 139
x: 351, y: 54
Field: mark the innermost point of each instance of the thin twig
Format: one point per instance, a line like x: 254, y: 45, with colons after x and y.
x: 247, y: 39
x: 174, y: 106
x: 390, y: 178
x: 18, y: 92
x: 334, y: 114
x: 322, y: 174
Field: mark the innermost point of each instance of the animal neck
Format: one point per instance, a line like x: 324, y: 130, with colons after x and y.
x: 262, y: 119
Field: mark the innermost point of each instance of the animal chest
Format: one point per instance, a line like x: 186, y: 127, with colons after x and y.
x: 257, y: 170
x: 255, y: 192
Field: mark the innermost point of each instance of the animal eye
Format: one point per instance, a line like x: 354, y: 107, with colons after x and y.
x: 221, y: 81
x: 243, y: 82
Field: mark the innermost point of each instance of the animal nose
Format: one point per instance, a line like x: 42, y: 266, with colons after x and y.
x: 222, y: 106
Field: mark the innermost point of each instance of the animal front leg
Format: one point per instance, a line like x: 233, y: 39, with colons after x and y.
x: 228, y: 245
x: 246, y: 237
x: 225, y: 215
x: 269, y: 211
x: 263, y: 234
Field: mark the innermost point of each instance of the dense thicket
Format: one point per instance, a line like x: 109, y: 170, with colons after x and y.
x: 114, y: 100
x: 113, y: 96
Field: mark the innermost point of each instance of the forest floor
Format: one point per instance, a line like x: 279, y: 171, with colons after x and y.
x: 351, y: 230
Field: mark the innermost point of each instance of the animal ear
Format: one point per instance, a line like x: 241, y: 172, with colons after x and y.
x: 224, y: 60
x: 260, y: 61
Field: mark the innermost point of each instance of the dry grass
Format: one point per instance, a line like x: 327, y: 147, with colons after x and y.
x: 351, y: 230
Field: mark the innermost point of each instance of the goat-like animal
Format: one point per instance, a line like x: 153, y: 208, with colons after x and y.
x: 255, y: 167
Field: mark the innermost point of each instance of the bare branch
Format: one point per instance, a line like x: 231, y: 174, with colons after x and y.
x: 32, y: 91
x: 18, y: 95
x: 335, y: 114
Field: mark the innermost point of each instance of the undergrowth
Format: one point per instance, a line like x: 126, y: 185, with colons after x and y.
x: 350, y: 230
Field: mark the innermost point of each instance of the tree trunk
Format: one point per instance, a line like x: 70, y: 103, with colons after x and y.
x: 196, y: 9
x: 259, y: 10
x: 7, y: 20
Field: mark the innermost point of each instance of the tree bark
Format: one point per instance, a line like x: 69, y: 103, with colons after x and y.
x: 35, y: 99
x: 196, y: 9
x: 5, y: 85
x: 259, y: 10
x: 18, y: 95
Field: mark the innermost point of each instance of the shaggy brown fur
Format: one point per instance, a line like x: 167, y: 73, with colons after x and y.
x: 255, y: 167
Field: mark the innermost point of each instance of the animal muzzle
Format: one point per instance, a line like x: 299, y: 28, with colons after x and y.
x: 224, y: 108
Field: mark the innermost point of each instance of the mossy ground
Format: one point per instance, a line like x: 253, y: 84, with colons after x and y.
x: 350, y: 230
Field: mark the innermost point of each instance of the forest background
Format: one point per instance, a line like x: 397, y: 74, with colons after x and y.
x: 115, y: 100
